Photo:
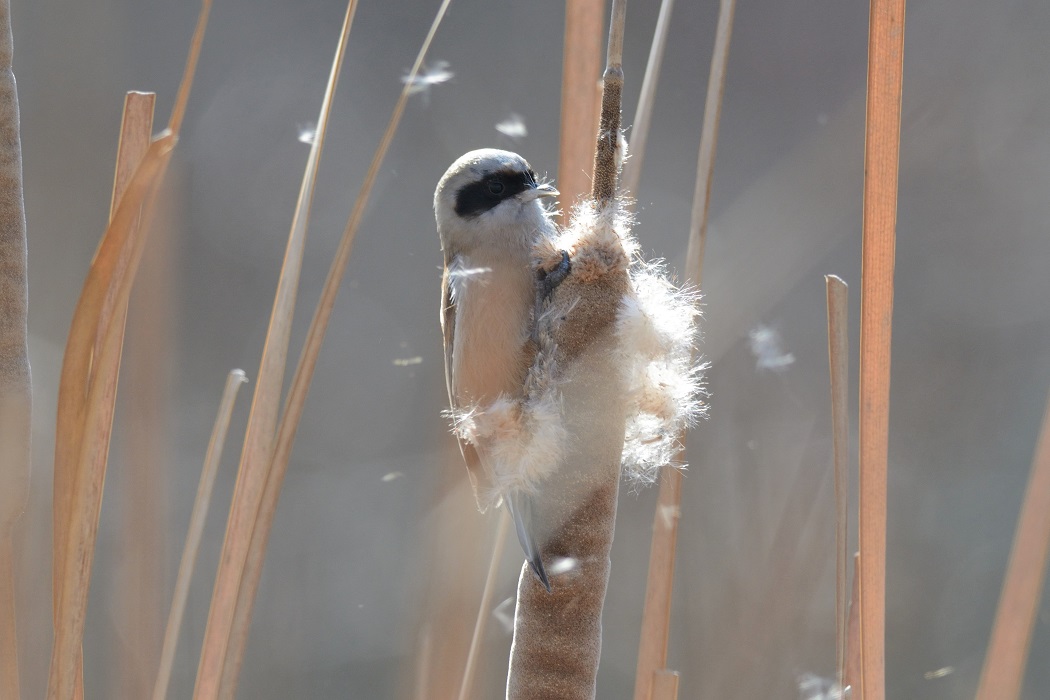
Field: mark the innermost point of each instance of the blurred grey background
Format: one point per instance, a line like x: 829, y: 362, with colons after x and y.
x: 347, y: 594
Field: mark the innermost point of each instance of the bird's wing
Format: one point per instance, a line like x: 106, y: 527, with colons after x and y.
x: 448, y: 330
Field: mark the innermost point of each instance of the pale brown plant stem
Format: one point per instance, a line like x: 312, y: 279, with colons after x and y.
x: 485, y: 608
x: 221, y: 642
x: 87, y: 392
x: 1002, y: 677
x: 137, y: 597
x: 881, y: 157
x: 196, y: 530
x: 15, y: 382
x: 95, y: 412
x: 656, y: 616
x: 579, y: 100
x: 304, y: 370
x: 665, y: 685
x: 632, y: 168
x: 709, y: 140
x: 851, y: 674
x: 838, y: 362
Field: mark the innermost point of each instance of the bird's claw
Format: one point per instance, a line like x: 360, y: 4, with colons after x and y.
x: 554, y: 277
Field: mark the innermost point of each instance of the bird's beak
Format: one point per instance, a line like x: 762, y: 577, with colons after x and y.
x: 545, y: 190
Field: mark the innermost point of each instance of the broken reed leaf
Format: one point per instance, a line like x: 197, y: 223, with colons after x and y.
x: 225, y: 635
x: 664, y: 685
x: 87, y: 392
x: 134, y: 142
x: 838, y: 364
x: 137, y: 596
x: 212, y: 457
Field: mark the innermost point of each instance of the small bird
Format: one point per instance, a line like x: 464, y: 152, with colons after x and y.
x: 489, y: 217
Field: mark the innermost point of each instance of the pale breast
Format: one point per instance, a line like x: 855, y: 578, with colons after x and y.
x: 493, y: 303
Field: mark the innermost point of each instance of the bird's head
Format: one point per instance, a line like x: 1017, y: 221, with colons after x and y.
x: 490, y: 197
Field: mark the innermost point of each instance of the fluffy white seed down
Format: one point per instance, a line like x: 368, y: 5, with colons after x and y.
x: 524, y: 440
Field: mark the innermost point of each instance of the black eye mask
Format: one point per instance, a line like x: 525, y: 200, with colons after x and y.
x: 482, y: 195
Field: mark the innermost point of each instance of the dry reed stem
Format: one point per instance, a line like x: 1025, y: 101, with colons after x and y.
x: 484, y: 608
x: 838, y: 362
x: 632, y: 168
x: 851, y: 674
x: 198, y: 517
x: 694, y: 259
x: 664, y: 685
x: 1002, y: 677
x: 93, y: 412
x: 137, y: 120
x: 138, y: 594
x: 296, y: 398
x: 579, y: 101
x: 656, y: 616
x: 220, y: 639
x: 15, y: 381
x: 87, y: 392
x: 87, y: 395
x: 881, y: 156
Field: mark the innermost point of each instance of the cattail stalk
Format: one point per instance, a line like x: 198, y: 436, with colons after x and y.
x: 557, y: 635
x: 15, y: 382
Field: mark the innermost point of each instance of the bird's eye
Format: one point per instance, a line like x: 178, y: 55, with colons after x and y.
x: 496, y: 187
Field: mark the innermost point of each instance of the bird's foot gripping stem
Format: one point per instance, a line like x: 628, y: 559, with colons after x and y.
x: 552, y: 278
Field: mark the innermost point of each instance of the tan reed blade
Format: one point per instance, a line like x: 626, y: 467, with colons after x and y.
x: 881, y: 155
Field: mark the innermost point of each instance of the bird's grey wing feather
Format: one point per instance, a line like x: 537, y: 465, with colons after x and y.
x: 448, y: 330
x: 520, y: 506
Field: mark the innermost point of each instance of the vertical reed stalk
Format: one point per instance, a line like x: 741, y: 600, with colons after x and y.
x: 656, y: 616
x: 196, y: 531
x: 881, y: 156
x: 838, y: 362
x: 296, y: 399
x: 579, y: 101
x: 1003, y: 674
x: 137, y: 596
x: 221, y: 643
x: 632, y: 169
